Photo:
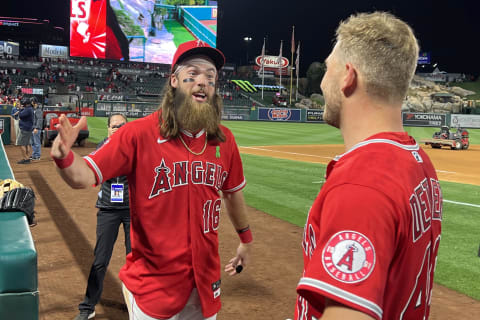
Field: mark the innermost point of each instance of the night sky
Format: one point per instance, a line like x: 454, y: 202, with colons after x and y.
x: 449, y: 30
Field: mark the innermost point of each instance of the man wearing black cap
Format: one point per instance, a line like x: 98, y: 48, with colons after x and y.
x: 177, y: 160
x: 26, y: 126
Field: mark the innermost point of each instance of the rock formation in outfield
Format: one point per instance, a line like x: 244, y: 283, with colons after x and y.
x: 422, y: 96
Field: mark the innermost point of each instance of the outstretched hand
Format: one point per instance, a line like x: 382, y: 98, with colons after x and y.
x: 67, y: 135
x: 241, y: 259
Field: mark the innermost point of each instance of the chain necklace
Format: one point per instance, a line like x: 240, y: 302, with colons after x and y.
x: 190, y: 150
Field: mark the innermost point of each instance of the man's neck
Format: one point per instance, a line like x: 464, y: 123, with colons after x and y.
x: 365, y: 117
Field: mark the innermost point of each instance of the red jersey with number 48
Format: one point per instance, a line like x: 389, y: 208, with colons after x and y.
x: 372, y: 235
x: 175, y: 210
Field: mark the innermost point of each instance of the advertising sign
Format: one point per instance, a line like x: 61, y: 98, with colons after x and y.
x: 272, y: 62
x: 279, y: 114
x: 314, y: 116
x: 32, y: 90
x: 9, y: 48
x: 424, y: 58
x: 50, y: 51
x: 424, y: 119
x: 465, y: 121
x: 8, y: 23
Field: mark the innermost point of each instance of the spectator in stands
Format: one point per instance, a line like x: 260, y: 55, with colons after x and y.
x: 26, y: 127
x: 37, y: 131
x: 15, y: 111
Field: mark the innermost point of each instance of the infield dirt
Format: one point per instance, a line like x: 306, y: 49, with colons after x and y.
x: 65, y: 239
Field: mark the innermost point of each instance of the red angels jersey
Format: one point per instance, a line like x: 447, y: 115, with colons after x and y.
x: 175, y: 210
x: 372, y: 235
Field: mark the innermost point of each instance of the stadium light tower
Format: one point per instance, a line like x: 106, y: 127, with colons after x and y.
x: 247, y: 42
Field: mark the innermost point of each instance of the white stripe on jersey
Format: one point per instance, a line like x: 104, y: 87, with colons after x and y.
x: 237, y: 187
x: 95, y: 167
x: 408, y: 147
x: 323, y: 286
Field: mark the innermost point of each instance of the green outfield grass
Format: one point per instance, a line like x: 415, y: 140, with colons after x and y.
x: 180, y: 34
x: 286, y: 189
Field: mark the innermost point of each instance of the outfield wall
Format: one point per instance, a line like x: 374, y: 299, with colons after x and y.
x: 242, y: 113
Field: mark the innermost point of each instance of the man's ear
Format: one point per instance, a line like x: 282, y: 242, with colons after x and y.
x: 174, y: 81
x: 349, y: 80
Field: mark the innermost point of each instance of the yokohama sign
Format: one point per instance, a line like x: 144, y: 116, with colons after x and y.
x: 271, y: 62
x: 423, y: 119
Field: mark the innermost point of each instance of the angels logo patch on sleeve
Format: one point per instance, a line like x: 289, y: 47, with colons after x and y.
x: 349, y: 257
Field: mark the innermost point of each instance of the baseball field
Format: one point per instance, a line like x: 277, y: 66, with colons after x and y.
x: 284, y: 164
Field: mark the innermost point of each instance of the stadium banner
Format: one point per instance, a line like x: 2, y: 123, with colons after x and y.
x: 129, y: 114
x: 424, y: 58
x: 279, y: 114
x: 417, y: 119
x: 230, y: 116
x: 314, y: 116
x: 51, y: 51
x: 110, y: 97
x: 464, y: 121
x: 88, y: 112
x: 20, y: 64
x: 237, y: 113
x: 9, y: 48
x: 38, y: 91
x: 98, y: 68
x: 272, y: 70
x: 271, y: 62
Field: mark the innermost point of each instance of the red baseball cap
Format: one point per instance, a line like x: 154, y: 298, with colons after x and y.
x: 198, y: 47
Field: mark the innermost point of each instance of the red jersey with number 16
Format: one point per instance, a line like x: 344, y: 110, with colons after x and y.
x: 372, y: 235
x: 175, y: 209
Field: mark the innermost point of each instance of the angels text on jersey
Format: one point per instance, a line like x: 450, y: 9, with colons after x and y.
x: 183, y: 172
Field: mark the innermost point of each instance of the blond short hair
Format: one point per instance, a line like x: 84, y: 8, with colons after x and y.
x: 384, y: 50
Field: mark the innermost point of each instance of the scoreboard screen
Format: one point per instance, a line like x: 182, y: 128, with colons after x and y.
x: 144, y: 31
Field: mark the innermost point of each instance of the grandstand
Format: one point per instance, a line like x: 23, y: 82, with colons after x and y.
x: 29, y: 66
x: 115, y: 80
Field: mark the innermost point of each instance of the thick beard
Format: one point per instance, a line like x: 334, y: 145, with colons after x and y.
x: 194, y: 116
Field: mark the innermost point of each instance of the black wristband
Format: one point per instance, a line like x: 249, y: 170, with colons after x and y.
x: 243, y: 230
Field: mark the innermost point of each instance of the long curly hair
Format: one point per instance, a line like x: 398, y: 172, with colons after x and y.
x: 169, y: 127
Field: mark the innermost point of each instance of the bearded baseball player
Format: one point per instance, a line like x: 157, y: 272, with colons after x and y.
x: 371, y: 238
x: 177, y: 161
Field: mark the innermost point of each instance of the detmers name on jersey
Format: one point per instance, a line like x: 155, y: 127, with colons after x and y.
x: 426, y: 205
x: 183, y: 172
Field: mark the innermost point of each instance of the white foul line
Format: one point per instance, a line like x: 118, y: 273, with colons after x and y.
x: 314, y: 156
x: 443, y: 171
x: 462, y: 203
x: 322, y: 181
x: 287, y: 152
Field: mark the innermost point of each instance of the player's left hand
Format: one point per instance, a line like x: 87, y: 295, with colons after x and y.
x: 241, y: 259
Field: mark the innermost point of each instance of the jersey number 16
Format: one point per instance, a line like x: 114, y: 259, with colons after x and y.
x: 211, y: 215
